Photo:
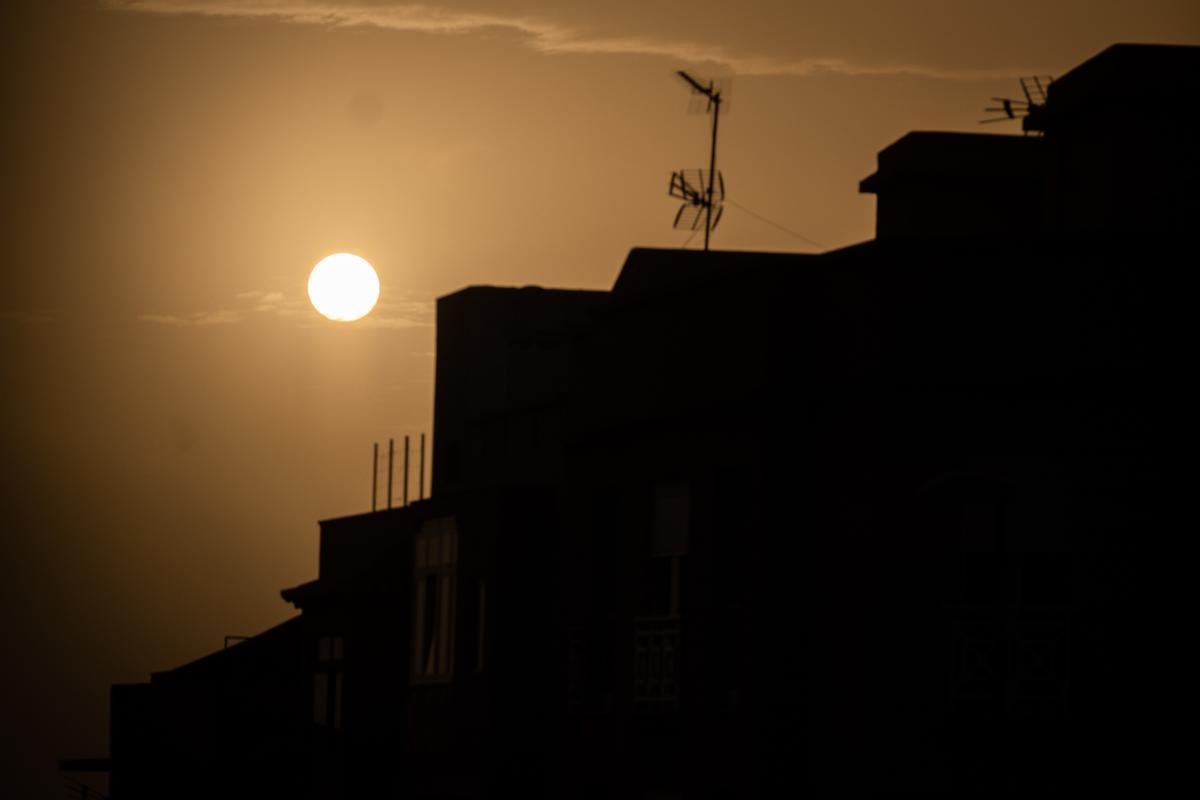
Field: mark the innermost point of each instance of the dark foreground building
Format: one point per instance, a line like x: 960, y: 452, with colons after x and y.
x: 886, y: 519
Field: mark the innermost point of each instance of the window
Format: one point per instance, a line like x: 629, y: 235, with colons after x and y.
x: 672, y: 512
x: 1009, y: 607
x: 327, y: 683
x: 657, y: 631
x: 669, y: 534
x: 433, y: 605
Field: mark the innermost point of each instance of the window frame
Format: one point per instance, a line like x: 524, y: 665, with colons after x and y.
x: 435, y: 558
x: 329, y: 683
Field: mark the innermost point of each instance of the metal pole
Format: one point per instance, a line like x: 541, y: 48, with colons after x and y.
x: 375, y: 477
x: 391, y: 453
x: 712, y: 164
x: 405, y: 493
x: 421, y: 479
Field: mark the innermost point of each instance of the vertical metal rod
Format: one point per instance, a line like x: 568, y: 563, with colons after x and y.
x: 375, y: 476
x: 712, y: 164
x: 421, y: 479
x: 391, y: 453
x: 405, y: 493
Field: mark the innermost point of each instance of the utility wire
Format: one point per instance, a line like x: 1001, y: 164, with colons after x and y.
x: 761, y: 218
x: 689, y: 239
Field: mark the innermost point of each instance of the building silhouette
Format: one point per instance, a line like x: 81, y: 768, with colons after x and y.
x: 884, y: 519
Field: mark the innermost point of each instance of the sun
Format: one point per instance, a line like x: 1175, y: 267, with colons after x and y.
x: 343, y: 287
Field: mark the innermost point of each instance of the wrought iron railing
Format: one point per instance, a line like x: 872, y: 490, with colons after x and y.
x: 656, y: 666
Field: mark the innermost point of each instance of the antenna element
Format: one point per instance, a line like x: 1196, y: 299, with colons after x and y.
x: 1031, y: 111
x: 694, y: 186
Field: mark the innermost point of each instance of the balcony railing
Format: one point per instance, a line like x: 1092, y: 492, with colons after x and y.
x: 656, y: 645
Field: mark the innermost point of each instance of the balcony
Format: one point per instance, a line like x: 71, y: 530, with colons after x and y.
x: 656, y: 643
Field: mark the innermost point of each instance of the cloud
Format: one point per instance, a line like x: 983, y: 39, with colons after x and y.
x: 270, y: 301
x: 539, y: 33
x: 414, y: 309
x: 254, y: 300
x: 401, y: 17
x: 200, y: 318
x: 372, y: 321
x: 402, y: 312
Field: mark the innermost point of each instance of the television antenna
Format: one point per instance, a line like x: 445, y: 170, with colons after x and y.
x: 692, y: 186
x: 702, y: 191
x: 1031, y: 111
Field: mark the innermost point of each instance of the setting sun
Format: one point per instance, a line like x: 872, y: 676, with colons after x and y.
x: 343, y: 287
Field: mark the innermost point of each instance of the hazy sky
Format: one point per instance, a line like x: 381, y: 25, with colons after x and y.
x: 177, y: 418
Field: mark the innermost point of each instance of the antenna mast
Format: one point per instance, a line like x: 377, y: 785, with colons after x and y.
x: 701, y: 196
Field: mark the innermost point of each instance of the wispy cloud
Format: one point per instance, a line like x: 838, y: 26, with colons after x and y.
x: 372, y: 321
x: 397, y: 312
x: 540, y: 34
x: 200, y: 318
x: 406, y: 312
x: 265, y: 301
x: 401, y: 16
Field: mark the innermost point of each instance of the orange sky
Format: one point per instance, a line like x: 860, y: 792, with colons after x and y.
x: 177, y: 417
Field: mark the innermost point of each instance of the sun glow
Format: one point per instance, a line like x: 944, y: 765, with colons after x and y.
x: 343, y: 287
